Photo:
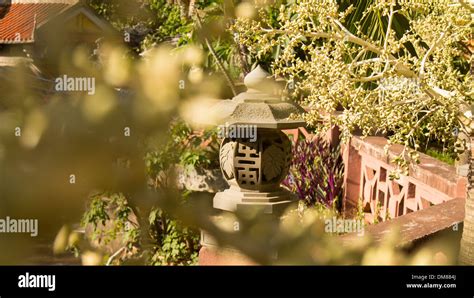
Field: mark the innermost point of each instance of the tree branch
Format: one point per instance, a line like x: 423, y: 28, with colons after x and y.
x: 430, y: 51
x: 112, y: 257
x: 214, y: 54
x: 346, y: 35
x: 389, y: 27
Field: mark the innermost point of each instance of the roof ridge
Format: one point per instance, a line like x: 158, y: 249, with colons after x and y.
x: 25, y: 16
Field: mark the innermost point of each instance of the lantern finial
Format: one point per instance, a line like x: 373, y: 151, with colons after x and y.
x: 256, y: 79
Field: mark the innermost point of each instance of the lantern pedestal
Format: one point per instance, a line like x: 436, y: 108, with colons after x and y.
x: 235, y: 200
x: 217, y: 256
x: 214, y: 253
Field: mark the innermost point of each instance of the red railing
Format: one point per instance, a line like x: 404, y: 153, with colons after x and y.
x: 368, y: 166
x: 367, y: 170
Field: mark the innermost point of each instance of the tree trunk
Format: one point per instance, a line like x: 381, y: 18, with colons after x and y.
x: 466, y: 254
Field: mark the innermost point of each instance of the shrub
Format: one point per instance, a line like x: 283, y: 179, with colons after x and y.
x: 111, y: 225
x: 175, y: 243
x: 184, y: 147
x: 162, y: 240
x: 317, y: 173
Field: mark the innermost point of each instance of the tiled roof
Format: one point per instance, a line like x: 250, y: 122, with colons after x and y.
x: 19, y: 19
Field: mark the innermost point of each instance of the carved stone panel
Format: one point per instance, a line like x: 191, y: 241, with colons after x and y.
x: 260, y: 165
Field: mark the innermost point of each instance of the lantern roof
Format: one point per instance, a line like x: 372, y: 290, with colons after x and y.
x: 258, y: 106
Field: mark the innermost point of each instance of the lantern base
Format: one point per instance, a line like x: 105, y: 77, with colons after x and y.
x: 267, y: 202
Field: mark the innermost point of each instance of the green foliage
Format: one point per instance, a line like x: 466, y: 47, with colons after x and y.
x: 153, y: 22
x: 195, y: 159
x: 176, y: 244
x: 360, y: 214
x: 97, y: 212
x: 184, y: 147
x: 170, y: 241
x: 441, y: 155
x: 167, y: 23
x: 103, y: 8
x: 110, y: 216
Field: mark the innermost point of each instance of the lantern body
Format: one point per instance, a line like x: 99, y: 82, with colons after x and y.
x: 255, y: 168
x: 254, y: 171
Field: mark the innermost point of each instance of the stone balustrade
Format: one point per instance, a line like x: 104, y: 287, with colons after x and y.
x: 431, y: 182
x: 367, y: 170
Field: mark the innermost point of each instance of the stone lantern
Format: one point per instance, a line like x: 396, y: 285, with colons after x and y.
x: 253, y: 165
x: 254, y: 168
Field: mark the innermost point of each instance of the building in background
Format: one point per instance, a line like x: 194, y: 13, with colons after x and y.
x: 42, y: 33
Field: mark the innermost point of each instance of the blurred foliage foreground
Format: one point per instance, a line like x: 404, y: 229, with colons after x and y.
x: 63, y: 153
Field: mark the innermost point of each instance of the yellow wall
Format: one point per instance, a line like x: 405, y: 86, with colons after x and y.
x: 81, y: 24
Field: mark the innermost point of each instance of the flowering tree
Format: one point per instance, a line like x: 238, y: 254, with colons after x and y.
x: 408, y: 81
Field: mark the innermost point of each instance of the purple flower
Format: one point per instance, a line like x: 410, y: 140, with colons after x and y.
x: 316, y: 173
